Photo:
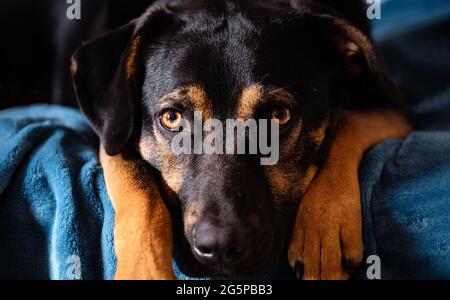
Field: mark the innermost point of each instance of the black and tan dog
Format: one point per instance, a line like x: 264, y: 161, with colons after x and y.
x: 310, y: 65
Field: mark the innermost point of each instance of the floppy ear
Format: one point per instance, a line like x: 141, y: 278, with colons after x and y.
x: 364, y: 82
x: 107, y: 77
x: 103, y: 71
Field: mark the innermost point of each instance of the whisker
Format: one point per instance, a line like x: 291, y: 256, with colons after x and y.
x: 278, y: 90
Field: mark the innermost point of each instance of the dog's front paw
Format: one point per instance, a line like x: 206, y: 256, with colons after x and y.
x: 327, y: 238
x: 327, y: 241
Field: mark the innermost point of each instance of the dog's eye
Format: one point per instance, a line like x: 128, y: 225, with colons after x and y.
x: 282, y: 115
x: 171, y: 119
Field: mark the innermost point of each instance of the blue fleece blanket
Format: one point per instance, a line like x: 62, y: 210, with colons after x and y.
x: 55, y: 217
x: 406, y: 184
x: 56, y: 220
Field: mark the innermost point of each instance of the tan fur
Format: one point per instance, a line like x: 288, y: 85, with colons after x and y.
x: 284, y: 180
x: 250, y: 97
x: 171, y: 170
x: 255, y: 94
x: 328, y: 227
x: 290, y: 145
x: 133, y: 58
x: 308, y: 178
x: 200, y: 100
x: 195, y: 96
x: 143, y: 227
x: 278, y: 179
x: 73, y: 68
x: 318, y: 135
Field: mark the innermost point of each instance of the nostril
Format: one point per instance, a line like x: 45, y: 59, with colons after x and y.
x: 234, y: 251
x: 204, y: 250
x: 233, y: 254
x: 214, y: 244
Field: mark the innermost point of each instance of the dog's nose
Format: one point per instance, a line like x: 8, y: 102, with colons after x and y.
x: 218, y: 244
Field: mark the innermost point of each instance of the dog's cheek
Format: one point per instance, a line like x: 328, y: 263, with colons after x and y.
x: 280, y: 182
x: 157, y: 152
x: 317, y: 135
x: 307, y: 166
x: 290, y: 177
x: 288, y: 183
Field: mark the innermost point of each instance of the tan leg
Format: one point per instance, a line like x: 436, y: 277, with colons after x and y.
x: 328, y: 228
x: 143, y: 227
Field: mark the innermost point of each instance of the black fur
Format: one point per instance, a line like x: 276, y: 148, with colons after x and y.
x: 225, y: 46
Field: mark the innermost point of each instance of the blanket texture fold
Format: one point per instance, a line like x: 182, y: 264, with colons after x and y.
x: 55, y: 217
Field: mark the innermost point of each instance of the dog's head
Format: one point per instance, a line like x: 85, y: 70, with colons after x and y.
x: 298, y: 66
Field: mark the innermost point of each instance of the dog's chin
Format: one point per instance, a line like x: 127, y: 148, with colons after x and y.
x: 253, y: 269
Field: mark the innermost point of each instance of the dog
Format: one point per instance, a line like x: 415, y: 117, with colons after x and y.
x: 308, y: 65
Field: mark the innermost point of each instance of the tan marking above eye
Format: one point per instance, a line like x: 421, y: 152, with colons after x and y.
x: 255, y: 94
x: 193, y: 96
x: 200, y: 101
x: 248, y: 101
x: 281, y: 115
x: 171, y: 119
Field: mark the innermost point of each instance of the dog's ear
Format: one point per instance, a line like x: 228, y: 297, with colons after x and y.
x: 352, y: 10
x: 365, y: 81
x: 107, y: 77
x: 102, y: 71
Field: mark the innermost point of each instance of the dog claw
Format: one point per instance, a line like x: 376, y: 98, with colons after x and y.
x: 299, y: 268
x: 349, y: 266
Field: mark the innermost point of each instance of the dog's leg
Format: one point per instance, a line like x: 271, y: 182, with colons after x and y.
x: 143, y: 227
x: 327, y: 237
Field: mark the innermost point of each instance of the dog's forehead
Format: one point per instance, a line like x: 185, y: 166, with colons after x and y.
x: 255, y: 8
x: 219, y: 55
x: 227, y: 55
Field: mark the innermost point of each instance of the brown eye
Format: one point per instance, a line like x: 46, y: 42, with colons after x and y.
x: 171, y: 119
x: 282, y: 115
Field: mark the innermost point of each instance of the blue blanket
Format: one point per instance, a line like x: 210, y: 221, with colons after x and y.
x: 406, y: 184
x: 56, y: 220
